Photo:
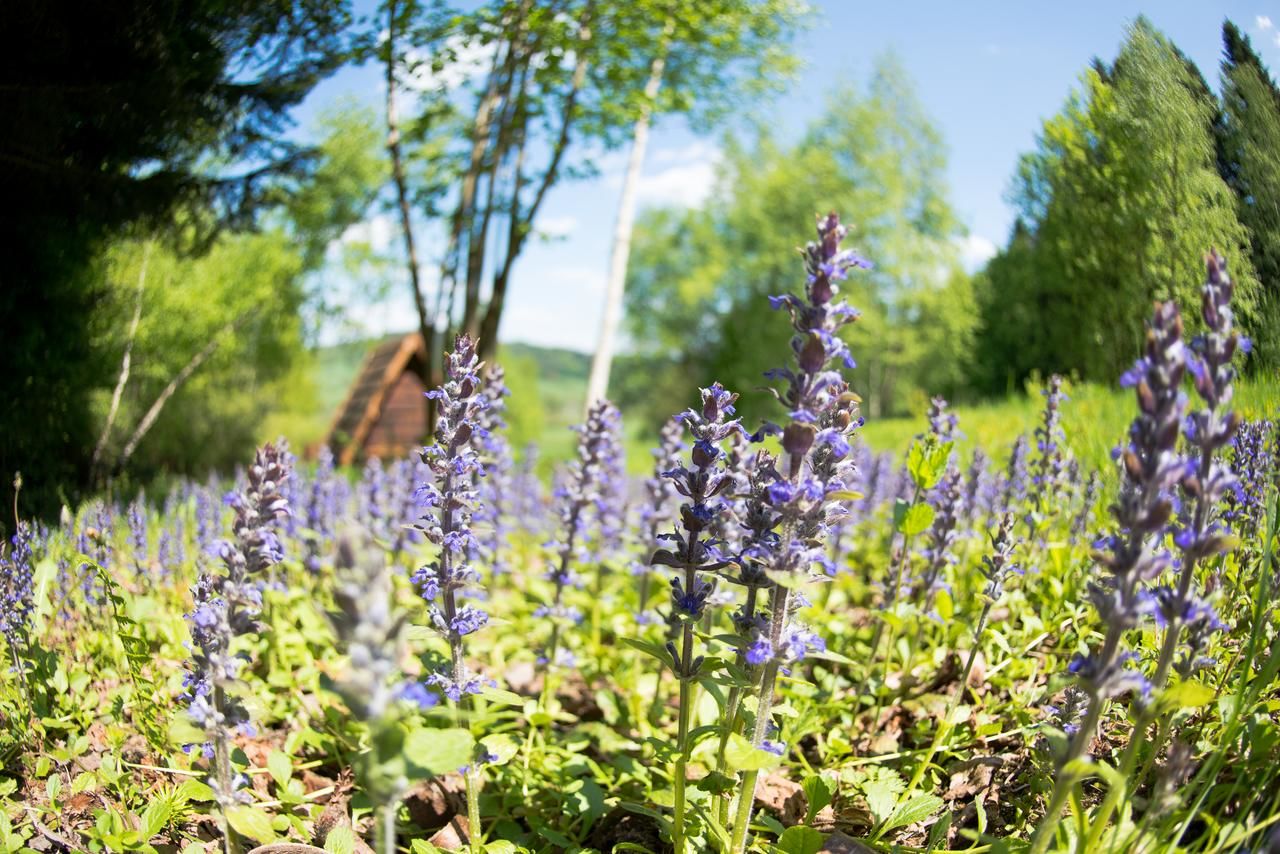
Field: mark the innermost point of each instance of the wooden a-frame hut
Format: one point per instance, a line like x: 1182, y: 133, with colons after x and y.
x: 385, y: 412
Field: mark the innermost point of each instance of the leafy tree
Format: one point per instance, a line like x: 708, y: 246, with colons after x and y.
x: 1249, y: 161
x: 1118, y: 205
x: 114, y: 114
x: 699, y: 279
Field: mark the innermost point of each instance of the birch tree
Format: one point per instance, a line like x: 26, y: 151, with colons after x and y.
x: 708, y: 56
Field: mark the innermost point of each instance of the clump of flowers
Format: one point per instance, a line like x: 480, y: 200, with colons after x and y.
x: 1251, y: 462
x: 17, y: 601
x: 1051, y: 463
x: 1207, y: 481
x: 227, y: 605
x: 1133, y: 554
x: 947, y: 501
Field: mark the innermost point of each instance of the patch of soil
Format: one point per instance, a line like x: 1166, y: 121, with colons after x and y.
x: 620, y: 825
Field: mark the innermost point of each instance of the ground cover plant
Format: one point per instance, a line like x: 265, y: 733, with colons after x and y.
x: 779, y: 640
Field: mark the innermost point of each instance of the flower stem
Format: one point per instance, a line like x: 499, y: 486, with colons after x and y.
x: 768, y: 678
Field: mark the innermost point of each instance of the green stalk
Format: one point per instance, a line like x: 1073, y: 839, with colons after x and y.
x: 682, y: 763
x: 764, y: 707
x: 732, y: 717
x: 387, y: 830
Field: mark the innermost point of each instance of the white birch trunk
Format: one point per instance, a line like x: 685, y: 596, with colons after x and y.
x: 615, y: 285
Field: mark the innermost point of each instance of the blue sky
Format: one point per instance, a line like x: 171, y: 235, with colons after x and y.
x: 987, y: 74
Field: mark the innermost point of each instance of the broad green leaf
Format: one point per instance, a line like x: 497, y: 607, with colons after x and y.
x: 439, y: 751
x: 340, y: 840
x: 251, y: 822
x: 918, y: 808
x: 742, y: 755
x: 800, y: 840
x: 502, y: 697
x: 280, y: 767
x: 819, y: 792
x: 916, y: 520
x: 882, y: 798
x: 501, y: 746
x: 154, y: 818
x: 194, y: 790
x: 1187, y: 695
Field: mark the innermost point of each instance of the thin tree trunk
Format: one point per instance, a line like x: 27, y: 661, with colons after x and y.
x: 426, y: 323
x: 126, y: 364
x: 615, y: 286
x: 176, y: 383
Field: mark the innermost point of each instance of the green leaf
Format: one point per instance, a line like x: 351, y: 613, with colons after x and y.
x: 1187, y: 695
x: 502, y: 697
x: 502, y: 746
x: 280, y: 767
x: 182, y: 731
x: 439, y: 751
x: 918, y: 808
x: 742, y: 755
x: 916, y: 520
x: 340, y: 840
x: 194, y: 790
x: 251, y: 822
x: 800, y: 840
x: 926, y: 461
x: 155, y: 817
x: 882, y: 797
x: 819, y: 792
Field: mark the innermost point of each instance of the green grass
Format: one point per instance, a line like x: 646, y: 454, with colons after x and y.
x: 1095, y: 418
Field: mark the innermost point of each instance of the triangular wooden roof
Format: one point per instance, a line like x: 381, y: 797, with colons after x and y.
x: 359, y: 413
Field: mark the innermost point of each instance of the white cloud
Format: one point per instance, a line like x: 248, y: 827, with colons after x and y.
x: 698, y: 150
x: 557, y: 227
x: 975, y: 250
x: 377, y: 231
x: 687, y: 185
x: 470, y: 61
x: 1263, y: 22
x: 1278, y: 39
x: 685, y: 178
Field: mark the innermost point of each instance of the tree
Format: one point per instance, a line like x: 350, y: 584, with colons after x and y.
x: 115, y: 114
x: 699, y: 279
x: 1249, y: 161
x: 698, y: 57
x: 1117, y: 205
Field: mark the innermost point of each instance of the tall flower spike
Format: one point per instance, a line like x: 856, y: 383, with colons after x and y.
x: 227, y: 605
x: 1051, y: 462
x: 659, y: 506
x: 450, y: 499
x: 692, y: 554
x: 819, y: 468
x: 495, y: 488
x: 1206, y: 480
x: 17, y: 602
x: 578, y: 501
x: 1132, y: 555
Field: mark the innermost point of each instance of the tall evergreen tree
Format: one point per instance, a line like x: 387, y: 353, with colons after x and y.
x: 1249, y: 161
